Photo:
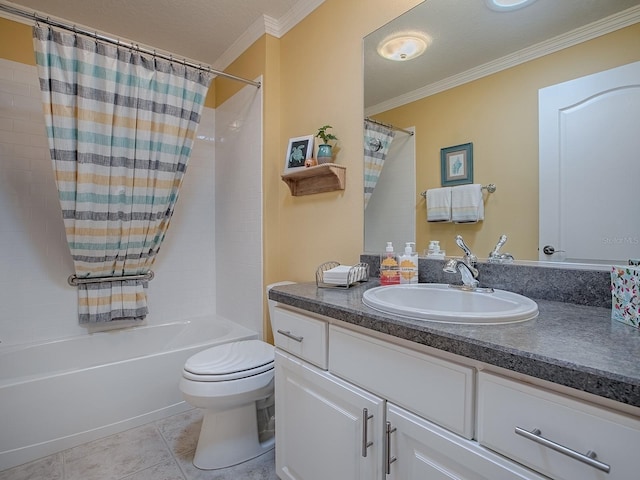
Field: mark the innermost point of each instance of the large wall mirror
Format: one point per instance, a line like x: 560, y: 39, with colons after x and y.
x: 478, y: 82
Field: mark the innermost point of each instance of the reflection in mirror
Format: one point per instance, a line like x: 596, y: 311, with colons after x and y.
x: 478, y: 81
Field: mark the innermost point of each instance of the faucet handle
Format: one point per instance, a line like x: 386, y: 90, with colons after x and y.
x: 462, y: 245
x: 496, y: 250
x: 470, y: 258
x: 496, y: 257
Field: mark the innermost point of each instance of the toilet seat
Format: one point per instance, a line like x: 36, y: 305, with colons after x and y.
x: 230, y: 361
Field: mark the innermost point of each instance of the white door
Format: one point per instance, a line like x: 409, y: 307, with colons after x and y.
x: 320, y: 425
x: 423, y: 450
x: 590, y: 167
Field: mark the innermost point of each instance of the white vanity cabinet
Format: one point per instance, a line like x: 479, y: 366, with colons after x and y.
x: 353, y: 406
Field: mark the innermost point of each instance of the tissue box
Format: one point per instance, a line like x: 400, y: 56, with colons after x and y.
x: 625, y: 295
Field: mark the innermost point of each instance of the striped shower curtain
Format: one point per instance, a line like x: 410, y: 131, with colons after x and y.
x: 120, y: 128
x: 377, y: 140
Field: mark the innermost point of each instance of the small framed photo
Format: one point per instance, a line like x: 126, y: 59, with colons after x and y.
x: 298, y: 150
x: 456, y: 165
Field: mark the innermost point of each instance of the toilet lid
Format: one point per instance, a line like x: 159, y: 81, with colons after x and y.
x: 230, y: 361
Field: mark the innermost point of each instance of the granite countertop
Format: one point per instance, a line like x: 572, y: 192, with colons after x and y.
x: 572, y: 345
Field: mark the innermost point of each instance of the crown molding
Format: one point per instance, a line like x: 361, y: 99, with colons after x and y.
x: 593, y: 30
x: 244, y: 41
x: 266, y: 24
x: 296, y: 14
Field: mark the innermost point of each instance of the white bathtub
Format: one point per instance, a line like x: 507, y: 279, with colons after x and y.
x: 59, y: 394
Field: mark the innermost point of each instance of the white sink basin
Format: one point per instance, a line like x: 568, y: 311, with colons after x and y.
x: 438, y: 302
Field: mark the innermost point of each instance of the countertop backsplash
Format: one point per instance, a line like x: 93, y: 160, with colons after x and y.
x: 577, y: 286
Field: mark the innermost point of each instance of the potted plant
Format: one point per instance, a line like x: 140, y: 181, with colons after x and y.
x: 325, y: 154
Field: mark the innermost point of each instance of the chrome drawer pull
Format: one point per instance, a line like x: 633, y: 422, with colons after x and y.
x: 389, y: 459
x: 290, y: 335
x: 365, y: 431
x: 589, y: 458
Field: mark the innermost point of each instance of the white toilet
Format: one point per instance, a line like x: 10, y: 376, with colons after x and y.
x: 232, y: 382
x: 226, y: 381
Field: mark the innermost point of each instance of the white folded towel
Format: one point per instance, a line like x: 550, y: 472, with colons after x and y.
x: 337, y: 275
x: 467, y: 204
x: 439, y: 204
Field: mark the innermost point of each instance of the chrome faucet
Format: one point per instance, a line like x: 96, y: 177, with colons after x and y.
x: 496, y: 257
x: 466, y: 266
x: 469, y: 274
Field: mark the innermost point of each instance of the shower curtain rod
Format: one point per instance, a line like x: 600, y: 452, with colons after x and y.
x: 388, y: 125
x: 114, y: 41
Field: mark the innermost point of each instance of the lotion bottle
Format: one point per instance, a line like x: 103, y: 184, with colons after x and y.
x: 434, y: 250
x: 409, y: 265
x: 389, y: 267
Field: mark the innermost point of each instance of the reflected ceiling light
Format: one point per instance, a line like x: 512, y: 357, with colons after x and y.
x: 403, y: 46
x: 507, y: 5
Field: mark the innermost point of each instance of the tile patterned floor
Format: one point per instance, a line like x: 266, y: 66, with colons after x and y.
x: 162, y: 450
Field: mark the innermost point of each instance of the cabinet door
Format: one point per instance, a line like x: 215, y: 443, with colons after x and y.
x: 419, y: 450
x: 320, y: 425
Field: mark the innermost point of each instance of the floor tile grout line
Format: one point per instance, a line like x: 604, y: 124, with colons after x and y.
x: 171, y: 452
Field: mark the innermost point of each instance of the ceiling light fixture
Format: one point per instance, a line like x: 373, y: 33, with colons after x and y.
x: 507, y: 5
x: 404, y: 46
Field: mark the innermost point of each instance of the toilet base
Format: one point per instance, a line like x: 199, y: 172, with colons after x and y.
x: 229, y: 437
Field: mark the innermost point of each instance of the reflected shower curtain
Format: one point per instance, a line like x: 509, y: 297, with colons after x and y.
x: 120, y: 128
x: 377, y: 140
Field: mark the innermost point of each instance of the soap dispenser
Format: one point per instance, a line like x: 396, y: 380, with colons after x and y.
x: 434, y: 250
x: 389, y: 268
x: 409, y: 265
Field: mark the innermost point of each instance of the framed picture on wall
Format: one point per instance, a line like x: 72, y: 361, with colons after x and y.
x: 456, y: 165
x: 299, y: 149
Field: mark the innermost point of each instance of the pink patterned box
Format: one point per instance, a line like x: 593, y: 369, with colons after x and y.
x: 625, y: 295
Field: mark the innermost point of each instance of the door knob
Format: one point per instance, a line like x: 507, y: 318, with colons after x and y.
x: 550, y: 250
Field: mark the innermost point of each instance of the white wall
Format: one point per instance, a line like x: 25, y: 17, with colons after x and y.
x: 238, y: 208
x: 35, y: 301
x: 391, y: 211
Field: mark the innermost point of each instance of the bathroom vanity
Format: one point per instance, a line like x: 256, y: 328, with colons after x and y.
x: 366, y: 395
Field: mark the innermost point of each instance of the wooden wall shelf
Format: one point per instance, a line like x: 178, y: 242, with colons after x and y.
x: 321, y: 178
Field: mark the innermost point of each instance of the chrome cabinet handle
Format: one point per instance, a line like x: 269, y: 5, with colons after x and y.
x: 387, y: 448
x: 365, y: 431
x: 589, y: 458
x: 290, y: 335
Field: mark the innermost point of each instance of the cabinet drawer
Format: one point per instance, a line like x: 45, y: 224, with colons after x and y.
x: 436, y: 389
x: 571, y: 424
x: 300, y: 335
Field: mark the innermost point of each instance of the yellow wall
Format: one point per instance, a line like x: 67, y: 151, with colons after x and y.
x: 499, y: 114
x: 321, y: 83
x: 15, y: 42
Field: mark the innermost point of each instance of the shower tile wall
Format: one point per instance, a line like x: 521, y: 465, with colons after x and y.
x: 238, y: 207
x: 35, y: 300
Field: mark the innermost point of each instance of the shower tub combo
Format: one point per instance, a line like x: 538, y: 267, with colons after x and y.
x: 58, y: 394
